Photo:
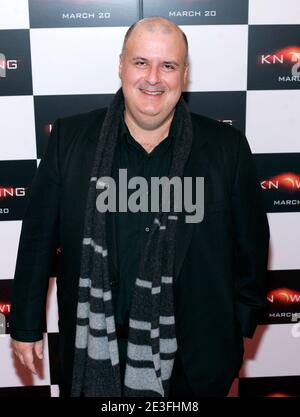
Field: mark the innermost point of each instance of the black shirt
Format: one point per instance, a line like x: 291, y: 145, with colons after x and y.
x: 132, y: 229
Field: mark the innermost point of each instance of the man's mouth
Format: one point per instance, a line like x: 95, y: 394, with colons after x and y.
x: 151, y: 93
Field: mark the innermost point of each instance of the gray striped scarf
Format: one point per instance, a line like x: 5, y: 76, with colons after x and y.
x: 152, y: 340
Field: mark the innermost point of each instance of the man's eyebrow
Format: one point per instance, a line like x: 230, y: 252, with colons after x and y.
x: 137, y: 58
x: 172, y: 63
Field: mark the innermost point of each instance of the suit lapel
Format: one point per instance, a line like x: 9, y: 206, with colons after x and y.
x: 197, y: 165
x: 183, y: 239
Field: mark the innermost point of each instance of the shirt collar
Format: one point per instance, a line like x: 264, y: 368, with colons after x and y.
x: 162, y: 146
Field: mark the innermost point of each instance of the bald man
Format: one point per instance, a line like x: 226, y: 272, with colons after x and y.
x: 150, y: 304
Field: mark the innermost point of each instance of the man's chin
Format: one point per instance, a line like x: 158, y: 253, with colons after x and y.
x: 151, y: 113
x: 152, y: 121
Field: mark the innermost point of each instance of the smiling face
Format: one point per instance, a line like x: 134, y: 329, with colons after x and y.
x: 153, y: 72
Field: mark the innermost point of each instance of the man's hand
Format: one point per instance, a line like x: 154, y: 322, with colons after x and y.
x: 26, y: 351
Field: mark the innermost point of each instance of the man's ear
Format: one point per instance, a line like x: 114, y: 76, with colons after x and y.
x: 186, y: 74
x: 120, y: 64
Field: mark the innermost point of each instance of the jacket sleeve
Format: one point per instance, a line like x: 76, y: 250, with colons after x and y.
x: 38, y: 242
x: 251, y: 240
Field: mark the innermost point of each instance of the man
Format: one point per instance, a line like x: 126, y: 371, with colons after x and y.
x: 149, y: 304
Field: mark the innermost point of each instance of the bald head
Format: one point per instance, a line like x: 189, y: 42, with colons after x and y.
x: 153, y: 70
x: 153, y: 24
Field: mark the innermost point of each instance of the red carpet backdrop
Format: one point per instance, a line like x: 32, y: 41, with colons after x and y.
x: 60, y: 57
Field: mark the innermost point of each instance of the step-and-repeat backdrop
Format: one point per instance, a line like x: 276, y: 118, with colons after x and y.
x: 60, y: 57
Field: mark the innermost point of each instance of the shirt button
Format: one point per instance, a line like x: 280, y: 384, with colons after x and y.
x: 147, y: 229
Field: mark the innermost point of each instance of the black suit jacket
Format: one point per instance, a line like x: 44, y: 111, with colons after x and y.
x: 220, y: 262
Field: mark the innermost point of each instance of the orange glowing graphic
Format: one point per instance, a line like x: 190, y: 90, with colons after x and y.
x: 6, y: 192
x: 47, y: 128
x: 290, y: 53
x: 284, y: 296
x: 5, y: 308
x: 284, y: 56
x: 278, y: 394
x: 287, y: 181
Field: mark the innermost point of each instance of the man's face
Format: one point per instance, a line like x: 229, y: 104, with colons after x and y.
x: 153, y: 72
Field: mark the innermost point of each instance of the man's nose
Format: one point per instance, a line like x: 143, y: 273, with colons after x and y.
x: 152, y: 75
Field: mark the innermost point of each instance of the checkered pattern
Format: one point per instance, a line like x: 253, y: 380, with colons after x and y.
x: 57, y: 66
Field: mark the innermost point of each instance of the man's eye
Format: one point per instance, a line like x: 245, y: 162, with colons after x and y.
x: 169, y: 67
x: 140, y: 63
